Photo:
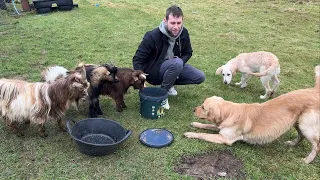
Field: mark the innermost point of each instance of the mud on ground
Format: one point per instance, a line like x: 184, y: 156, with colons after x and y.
x: 211, y: 165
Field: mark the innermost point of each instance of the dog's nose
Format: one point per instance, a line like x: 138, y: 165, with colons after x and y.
x: 194, y: 109
x: 225, y: 82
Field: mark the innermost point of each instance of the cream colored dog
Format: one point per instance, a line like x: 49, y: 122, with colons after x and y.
x: 261, y: 64
x: 263, y: 123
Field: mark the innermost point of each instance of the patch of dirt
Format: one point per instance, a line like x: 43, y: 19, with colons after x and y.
x: 212, y: 165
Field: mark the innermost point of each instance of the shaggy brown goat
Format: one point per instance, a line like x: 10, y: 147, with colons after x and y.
x: 40, y: 102
x: 97, y: 75
x: 127, y: 77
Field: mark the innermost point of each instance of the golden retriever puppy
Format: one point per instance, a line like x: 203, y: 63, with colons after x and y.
x: 262, y: 123
x: 261, y: 64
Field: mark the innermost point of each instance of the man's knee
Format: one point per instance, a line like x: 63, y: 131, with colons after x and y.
x: 177, y: 63
x: 201, y: 77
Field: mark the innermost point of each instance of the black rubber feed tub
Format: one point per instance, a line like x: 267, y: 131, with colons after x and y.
x: 98, y: 136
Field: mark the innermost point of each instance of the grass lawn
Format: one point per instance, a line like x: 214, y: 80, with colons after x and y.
x: 219, y: 31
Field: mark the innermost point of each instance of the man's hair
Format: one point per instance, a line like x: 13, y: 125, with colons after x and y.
x: 175, y: 10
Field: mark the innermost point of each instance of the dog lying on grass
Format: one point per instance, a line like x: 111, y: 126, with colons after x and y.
x: 261, y: 64
x: 263, y: 123
x: 37, y: 103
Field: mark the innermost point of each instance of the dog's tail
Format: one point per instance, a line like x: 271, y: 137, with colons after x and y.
x: 273, y: 66
x: 317, y: 76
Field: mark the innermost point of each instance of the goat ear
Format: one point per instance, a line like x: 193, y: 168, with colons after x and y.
x: 79, y: 66
x: 75, y: 79
x: 71, y: 72
x: 135, y: 75
x: 77, y: 84
x: 219, y: 70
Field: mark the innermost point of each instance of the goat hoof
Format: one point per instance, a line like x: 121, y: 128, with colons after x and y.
x: 119, y: 109
x: 44, y: 134
x: 63, y: 129
x: 93, y: 116
x: 20, y: 134
x: 99, y: 113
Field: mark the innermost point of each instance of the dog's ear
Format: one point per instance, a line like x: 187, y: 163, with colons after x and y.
x: 219, y: 70
x: 213, y: 114
x: 234, y: 73
x: 215, y: 105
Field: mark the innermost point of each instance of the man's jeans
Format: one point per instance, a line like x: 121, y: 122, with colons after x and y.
x: 173, y: 72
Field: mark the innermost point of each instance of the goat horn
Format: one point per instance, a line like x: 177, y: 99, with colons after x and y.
x: 81, y: 64
x: 83, y: 73
x: 142, y: 76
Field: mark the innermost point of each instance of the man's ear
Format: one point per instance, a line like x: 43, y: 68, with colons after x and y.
x: 165, y: 19
x: 219, y: 70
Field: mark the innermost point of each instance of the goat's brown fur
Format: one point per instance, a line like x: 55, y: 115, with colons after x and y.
x: 127, y: 78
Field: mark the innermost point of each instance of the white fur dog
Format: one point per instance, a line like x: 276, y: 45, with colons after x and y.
x: 261, y: 64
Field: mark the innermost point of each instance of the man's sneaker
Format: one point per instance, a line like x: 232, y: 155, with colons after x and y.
x: 172, y: 92
x: 166, y: 106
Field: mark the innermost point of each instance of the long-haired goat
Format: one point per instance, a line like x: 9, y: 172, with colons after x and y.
x: 40, y: 102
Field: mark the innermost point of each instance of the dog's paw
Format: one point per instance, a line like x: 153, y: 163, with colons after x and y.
x: 290, y: 143
x: 194, y: 124
x: 272, y: 93
x: 190, y: 134
x: 263, y: 97
x: 243, y: 85
x: 307, y: 160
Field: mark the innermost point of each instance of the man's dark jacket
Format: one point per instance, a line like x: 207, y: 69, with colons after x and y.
x: 152, y: 50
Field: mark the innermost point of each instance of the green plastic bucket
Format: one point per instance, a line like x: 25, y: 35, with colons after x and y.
x: 152, y: 101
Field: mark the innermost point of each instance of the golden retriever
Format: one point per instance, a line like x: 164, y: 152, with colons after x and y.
x: 261, y: 64
x: 262, y: 123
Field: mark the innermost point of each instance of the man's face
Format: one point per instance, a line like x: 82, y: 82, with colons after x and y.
x: 174, y: 24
